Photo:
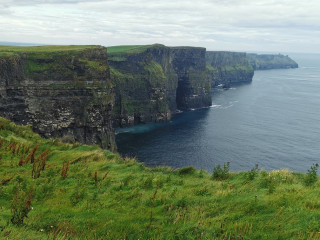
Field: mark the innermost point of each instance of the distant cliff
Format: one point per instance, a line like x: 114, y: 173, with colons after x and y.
x: 227, y: 68
x: 152, y: 82
x: 61, y: 91
x: 270, y: 61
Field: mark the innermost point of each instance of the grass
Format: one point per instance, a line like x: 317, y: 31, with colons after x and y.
x: 120, y: 53
x: 57, y: 61
x: 103, y: 196
x: 127, y: 49
x: 49, y: 48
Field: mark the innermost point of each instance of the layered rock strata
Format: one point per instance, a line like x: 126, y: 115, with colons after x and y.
x: 61, y: 93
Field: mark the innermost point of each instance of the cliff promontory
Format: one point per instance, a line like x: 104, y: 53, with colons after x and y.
x: 270, y: 61
x: 62, y: 91
x: 152, y: 82
x: 227, y: 68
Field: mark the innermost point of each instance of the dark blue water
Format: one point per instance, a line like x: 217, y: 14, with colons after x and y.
x: 273, y: 122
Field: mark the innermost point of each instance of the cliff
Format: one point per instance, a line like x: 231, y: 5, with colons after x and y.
x: 62, y: 91
x: 79, y: 93
x: 152, y: 82
x: 227, y: 68
x: 270, y: 61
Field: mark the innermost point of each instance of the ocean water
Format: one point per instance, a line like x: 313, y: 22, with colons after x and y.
x: 273, y: 122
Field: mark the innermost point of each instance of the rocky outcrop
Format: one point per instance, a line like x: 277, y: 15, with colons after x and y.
x: 152, y: 82
x: 227, y: 68
x: 61, y: 93
x: 270, y: 61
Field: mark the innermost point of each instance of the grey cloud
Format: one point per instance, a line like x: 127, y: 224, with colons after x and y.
x: 220, y: 24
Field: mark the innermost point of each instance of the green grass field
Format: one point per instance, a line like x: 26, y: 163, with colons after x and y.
x: 54, y: 190
x: 49, y: 48
x: 14, y: 50
x: 127, y: 48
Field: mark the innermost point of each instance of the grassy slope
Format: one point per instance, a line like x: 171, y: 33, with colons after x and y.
x: 185, y: 204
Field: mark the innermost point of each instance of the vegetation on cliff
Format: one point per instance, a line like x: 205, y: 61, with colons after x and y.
x: 54, y: 190
x: 228, y: 68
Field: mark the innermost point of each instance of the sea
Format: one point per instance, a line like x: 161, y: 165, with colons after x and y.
x: 273, y: 122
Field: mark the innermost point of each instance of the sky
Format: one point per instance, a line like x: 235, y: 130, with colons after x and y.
x: 277, y: 26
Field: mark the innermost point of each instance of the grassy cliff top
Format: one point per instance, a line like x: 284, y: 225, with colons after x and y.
x: 14, y: 50
x: 127, y: 49
x: 120, y: 53
x: 55, y: 190
x: 132, y: 49
x: 49, y: 48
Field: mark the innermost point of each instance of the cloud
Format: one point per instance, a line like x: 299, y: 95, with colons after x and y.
x: 216, y: 24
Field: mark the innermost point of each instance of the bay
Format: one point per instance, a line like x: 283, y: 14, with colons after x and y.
x: 273, y: 122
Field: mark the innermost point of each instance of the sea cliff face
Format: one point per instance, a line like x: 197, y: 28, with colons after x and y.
x: 227, y: 68
x: 61, y: 93
x: 80, y: 93
x: 270, y: 61
x: 153, y: 82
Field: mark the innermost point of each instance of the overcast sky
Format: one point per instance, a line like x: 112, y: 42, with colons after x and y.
x: 240, y: 25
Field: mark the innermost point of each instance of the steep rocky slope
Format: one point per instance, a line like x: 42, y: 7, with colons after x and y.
x: 61, y: 91
x: 152, y: 82
x: 227, y: 68
x: 270, y: 61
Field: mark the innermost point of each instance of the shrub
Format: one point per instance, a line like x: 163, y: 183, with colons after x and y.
x: 271, y: 185
x: 147, y: 183
x: 268, y: 181
x: 201, y: 173
x: 182, y: 203
x: 311, y: 177
x: 204, y: 191
x: 221, y: 173
x: 21, y: 206
x: 252, y: 173
x: 187, y: 170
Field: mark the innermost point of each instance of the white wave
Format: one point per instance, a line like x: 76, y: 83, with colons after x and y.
x: 229, y: 106
x: 308, y: 67
x: 215, y: 106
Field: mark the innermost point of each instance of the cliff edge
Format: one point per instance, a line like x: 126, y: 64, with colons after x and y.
x: 154, y: 81
x: 62, y: 91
